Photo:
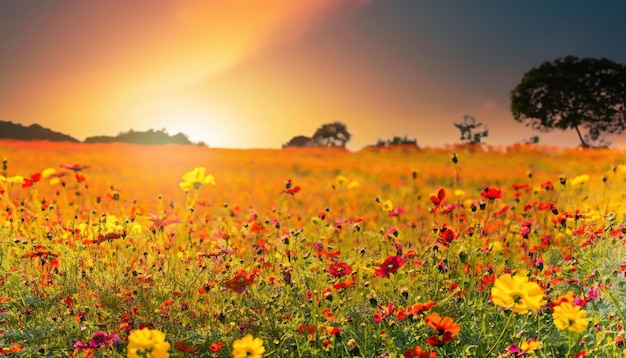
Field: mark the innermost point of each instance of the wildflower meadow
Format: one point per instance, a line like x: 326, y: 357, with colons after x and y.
x: 115, y: 250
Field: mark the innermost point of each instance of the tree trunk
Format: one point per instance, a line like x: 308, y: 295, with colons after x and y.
x: 582, y: 141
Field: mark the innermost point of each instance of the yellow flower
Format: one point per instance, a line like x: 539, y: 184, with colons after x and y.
x: 568, y: 316
x: 340, y: 180
x: 387, y: 206
x: 530, y: 346
x: 46, y: 173
x: 353, y: 185
x: 111, y: 224
x: 196, y: 178
x: 147, y: 343
x: 248, y: 346
x: 459, y: 193
x: 15, y: 179
x: 517, y: 293
x: 579, y: 180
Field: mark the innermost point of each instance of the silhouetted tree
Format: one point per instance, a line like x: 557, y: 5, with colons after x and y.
x: 298, y: 141
x: 471, y: 131
x: 396, y: 141
x: 331, y: 134
x: 570, y: 93
x: 532, y: 140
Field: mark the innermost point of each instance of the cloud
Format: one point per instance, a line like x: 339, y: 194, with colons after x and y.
x: 219, y: 34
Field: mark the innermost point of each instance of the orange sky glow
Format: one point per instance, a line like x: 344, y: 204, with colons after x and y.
x: 239, y: 73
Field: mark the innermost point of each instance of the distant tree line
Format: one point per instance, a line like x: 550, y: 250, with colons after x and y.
x: 151, y: 136
x: 396, y: 141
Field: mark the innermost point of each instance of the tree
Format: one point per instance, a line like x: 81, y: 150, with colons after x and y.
x: 396, y: 140
x: 570, y: 93
x: 298, y: 141
x: 468, y: 133
x: 331, y: 134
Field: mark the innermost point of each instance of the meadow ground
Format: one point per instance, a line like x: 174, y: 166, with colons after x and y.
x: 153, y: 251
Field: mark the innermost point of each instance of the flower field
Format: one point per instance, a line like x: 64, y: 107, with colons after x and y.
x: 138, y: 251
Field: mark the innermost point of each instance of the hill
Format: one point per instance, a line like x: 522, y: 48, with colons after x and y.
x: 10, y: 130
x: 142, y: 137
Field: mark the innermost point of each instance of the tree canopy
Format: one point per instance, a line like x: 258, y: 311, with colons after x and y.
x: 333, y: 134
x: 570, y: 93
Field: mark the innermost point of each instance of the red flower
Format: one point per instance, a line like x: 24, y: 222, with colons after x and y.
x: 28, y: 182
x: 491, y: 193
x: 389, y: 266
x: 446, y: 236
x: 339, y: 269
x: 290, y: 189
x: 445, y: 327
x: 439, y: 199
x: 418, y: 352
x: 241, y: 280
x: 183, y: 347
x: 216, y: 347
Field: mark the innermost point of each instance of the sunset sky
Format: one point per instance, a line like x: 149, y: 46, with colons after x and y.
x: 247, y: 74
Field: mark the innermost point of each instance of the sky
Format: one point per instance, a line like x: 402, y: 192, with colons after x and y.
x: 255, y: 73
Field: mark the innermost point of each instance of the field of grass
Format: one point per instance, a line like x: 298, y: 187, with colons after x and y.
x: 111, y: 250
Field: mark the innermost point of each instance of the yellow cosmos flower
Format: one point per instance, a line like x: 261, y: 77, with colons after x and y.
x: 147, y: 343
x: 387, y: 205
x: 530, y: 346
x: 353, y: 185
x: 340, y: 180
x: 196, y: 178
x: 248, y: 347
x: 568, y: 316
x: 517, y: 293
x: 15, y: 179
x: 46, y: 173
x: 579, y: 180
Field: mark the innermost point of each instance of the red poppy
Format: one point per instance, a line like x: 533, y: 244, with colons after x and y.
x: 446, y: 236
x: 339, y: 269
x: 290, y: 189
x: 439, y: 199
x: 389, y: 266
x: 28, y: 182
x: 491, y: 193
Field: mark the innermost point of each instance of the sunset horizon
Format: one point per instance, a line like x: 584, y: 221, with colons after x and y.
x: 252, y: 76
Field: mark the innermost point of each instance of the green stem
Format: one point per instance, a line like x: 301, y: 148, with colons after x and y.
x: 506, y: 325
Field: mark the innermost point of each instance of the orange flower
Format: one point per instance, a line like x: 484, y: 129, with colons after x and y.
x: 418, y: 352
x: 445, y: 328
x: 418, y: 308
